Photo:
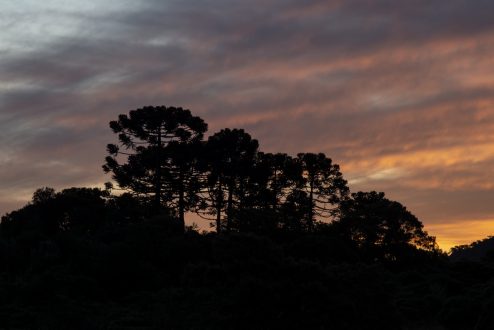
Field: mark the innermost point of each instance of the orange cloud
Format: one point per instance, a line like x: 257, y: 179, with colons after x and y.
x: 399, y: 94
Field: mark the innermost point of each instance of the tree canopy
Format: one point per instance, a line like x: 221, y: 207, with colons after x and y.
x: 157, y: 143
x: 383, y: 228
x: 292, y: 247
x: 229, y: 159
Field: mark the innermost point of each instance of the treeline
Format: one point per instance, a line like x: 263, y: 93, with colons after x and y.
x: 167, y: 169
x: 225, y: 178
x: 163, y: 159
x: 292, y: 247
x: 481, y: 250
x: 83, y: 259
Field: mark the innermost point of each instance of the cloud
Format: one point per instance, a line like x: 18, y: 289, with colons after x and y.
x: 399, y: 94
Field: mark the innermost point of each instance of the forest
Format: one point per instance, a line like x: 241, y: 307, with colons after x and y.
x: 289, y: 245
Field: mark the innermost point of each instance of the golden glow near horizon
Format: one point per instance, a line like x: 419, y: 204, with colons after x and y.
x: 463, y: 232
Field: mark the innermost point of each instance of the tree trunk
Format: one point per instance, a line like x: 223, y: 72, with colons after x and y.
x: 218, y: 218
x: 219, y: 199
x: 158, y: 183
x: 181, y: 207
x: 276, y: 192
x: 229, y: 208
x: 310, y: 218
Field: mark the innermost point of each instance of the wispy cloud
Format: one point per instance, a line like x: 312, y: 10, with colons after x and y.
x: 399, y: 94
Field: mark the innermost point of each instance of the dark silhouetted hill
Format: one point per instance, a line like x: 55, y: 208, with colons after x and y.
x: 476, y: 251
x: 292, y: 247
x: 123, y: 269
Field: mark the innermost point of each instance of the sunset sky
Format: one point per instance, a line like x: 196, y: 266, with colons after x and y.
x: 399, y: 93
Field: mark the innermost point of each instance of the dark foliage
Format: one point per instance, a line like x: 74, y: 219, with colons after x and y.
x: 476, y: 251
x: 322, y: 187
x: 383, y: 229
x: 108, y: 264
x: 160, y: 148
x: 228, y: 163
x: 298, y: 251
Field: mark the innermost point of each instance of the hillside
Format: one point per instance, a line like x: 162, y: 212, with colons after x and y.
x: 476, y: 251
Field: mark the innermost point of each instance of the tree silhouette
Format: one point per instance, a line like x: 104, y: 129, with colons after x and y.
x: 73, y: 209
x: 478, y: 250
x: 381, y: 227
x: 157, y: 143
x: 274, y: 178
x: 283, y: 176
x: 84, y: 259
x: 321, y: 187
x: 43, y: 195
x: 229, y: 161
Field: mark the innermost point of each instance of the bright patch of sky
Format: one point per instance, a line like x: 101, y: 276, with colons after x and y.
x: 381, y: 175
x: 28, y: 25
x: 100, y: 81
x: 388, y: 100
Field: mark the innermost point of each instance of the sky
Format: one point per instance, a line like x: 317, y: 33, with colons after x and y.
x: 400, y: 94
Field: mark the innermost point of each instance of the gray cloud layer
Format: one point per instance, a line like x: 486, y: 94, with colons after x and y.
x: 399, y: 93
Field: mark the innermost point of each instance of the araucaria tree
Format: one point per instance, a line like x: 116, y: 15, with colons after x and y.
x: 158, y: 146
x: 322, y: 187
x: 229, y: 161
